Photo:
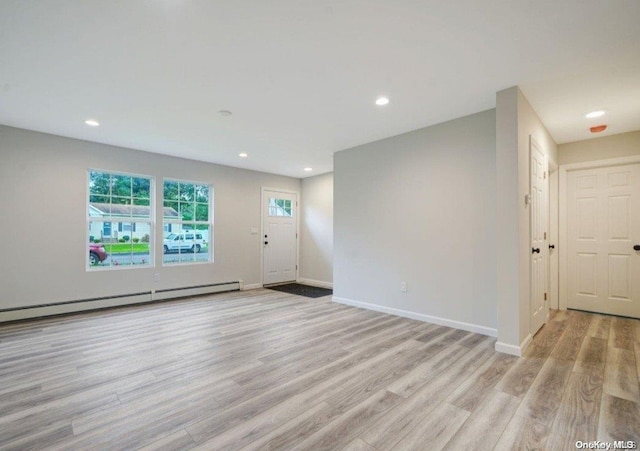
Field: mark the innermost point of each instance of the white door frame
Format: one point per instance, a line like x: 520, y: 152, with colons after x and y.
x: 262, y: 199
x: 554, y: 181
x: 535, y: 146
x: 563, y: 239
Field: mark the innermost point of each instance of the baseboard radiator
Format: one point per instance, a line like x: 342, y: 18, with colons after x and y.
x: 60, y: 308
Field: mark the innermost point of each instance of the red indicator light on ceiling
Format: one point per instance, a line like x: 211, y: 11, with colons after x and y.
x: 598, y: 128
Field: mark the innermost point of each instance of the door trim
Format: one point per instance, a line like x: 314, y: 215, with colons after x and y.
x: 562, y: 214
x: 263, y: 189
x: 535, y: 146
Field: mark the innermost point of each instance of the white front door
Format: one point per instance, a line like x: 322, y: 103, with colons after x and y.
x: 539, y: 247
x: 279, y: 237
x: 603, y: 226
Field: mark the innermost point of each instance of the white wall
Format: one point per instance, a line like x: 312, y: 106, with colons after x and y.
x: 516, y: 121
x: 43, y: 191
x: 614, y: 146
x: 420, y: 208
x: 316, y: 230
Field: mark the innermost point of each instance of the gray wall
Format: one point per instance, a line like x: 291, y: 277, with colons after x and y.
x: 614, y: 146
x: 420, y: 208
x: 316, y: 230
x: 43, y: 195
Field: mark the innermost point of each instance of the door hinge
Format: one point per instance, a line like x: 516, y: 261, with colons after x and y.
x: 545, y: 175
x: 545, y: 296
x: 545, y: 235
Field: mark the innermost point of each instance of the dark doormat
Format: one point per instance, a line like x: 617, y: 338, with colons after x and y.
x: 302, y: 290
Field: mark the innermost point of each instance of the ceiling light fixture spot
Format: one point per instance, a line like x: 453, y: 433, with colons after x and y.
x: 243, y: 155
x: 381, y: 101
x: 308, y: 169
x: 92, y: 122
x: 225, y: 113
x: 594, y: 114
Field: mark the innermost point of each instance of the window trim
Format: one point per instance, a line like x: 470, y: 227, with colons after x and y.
x: 151, y: 221
x: 179, y: 222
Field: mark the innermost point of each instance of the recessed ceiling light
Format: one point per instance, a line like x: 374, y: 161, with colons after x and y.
x: 92, y: 122
x: 243, y: 155
x: 308, y: 169
x: 225, y: 113
x: 380, y: 101
x: 593, y: 114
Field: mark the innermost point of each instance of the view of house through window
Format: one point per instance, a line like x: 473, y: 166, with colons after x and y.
x: 187, y: 222
x: 120, y: 220
x: 279, y: 207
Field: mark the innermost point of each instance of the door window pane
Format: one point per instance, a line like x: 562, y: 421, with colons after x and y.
x: 280, y: 207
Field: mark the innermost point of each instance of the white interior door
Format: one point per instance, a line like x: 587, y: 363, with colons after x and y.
x: 280, y: 250
x: 539, y: 250
x: 603, y: 226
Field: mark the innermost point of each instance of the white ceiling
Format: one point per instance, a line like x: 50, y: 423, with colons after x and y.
x: 301, y: 76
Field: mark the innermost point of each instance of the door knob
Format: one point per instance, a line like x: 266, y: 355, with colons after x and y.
x: 266, y: 242
x: 535, y: 250
x: 636, y: 247
x: 552, y: 246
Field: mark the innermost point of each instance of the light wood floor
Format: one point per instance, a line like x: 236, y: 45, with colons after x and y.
x: 268, y: 370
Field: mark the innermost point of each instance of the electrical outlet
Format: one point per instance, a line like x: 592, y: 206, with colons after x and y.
x: 403, y: 287
x: 156, y: 277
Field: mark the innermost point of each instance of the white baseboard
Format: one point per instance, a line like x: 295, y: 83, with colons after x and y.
x: 315, y: 283
x: 251, y: 286
x: 420, y: 317
x: 514, y: 349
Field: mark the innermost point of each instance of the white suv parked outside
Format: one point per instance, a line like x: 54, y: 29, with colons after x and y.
x: 184, y: 241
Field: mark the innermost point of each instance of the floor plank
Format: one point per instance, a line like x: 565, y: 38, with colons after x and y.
x: 519, y: 378
x: 469, y: 395
x: 483, y: 428
x: 179, y: 440
x: 637, y: 354
x: 436, y: 431
x: 592, y: 355
x: 269, y: 370
x: 619, y: 420
x: 523, y: 433
x: 600, y: 326
x: 621, y: 374
x: 622, y: 333
x: 348, y: 426
x: 578, y: 415
x: 424, y: 398
x: 299, y: 428
x: 358, y: 445
x: 542, y: 400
